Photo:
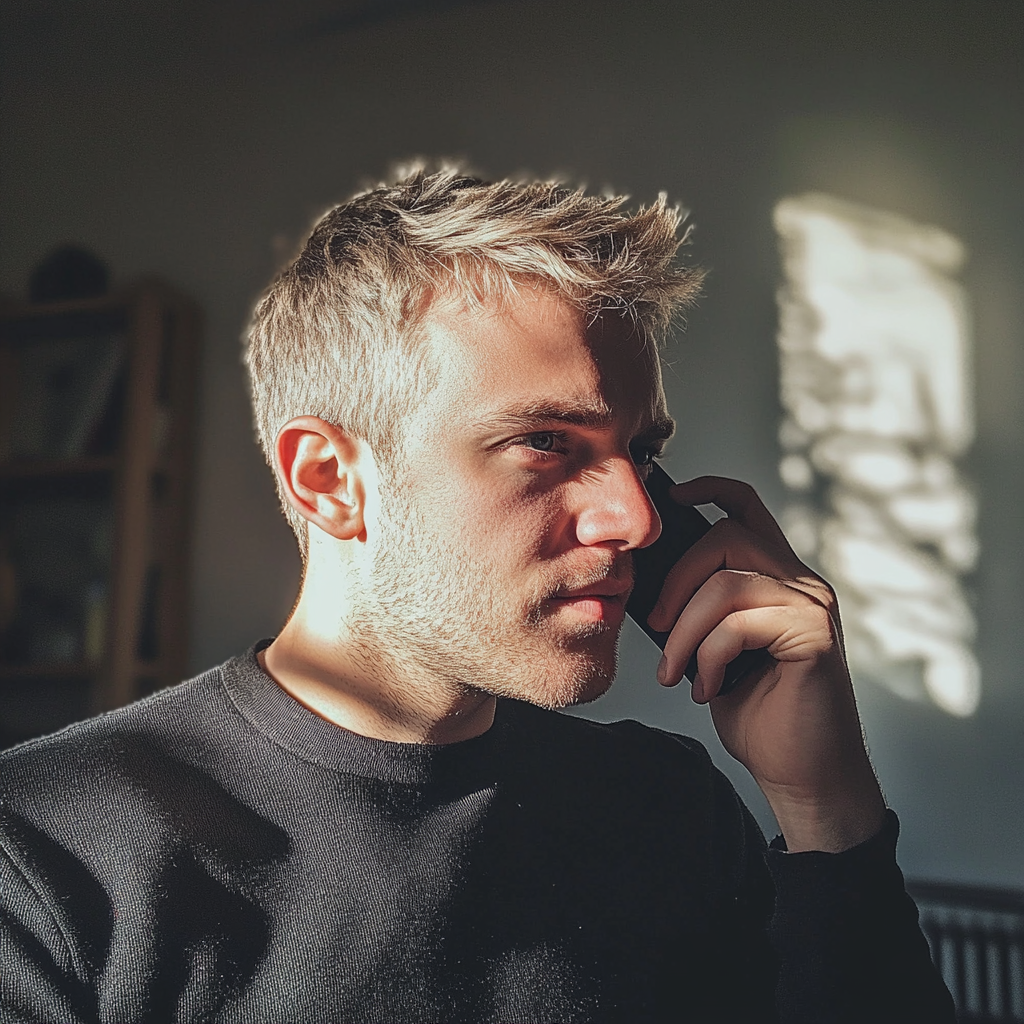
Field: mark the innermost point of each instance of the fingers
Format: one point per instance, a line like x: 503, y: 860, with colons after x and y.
x: 736, y: 499
x: 740, y: 587
x: 729, y: 545
x: 749, y: 539
x: 736, y: 611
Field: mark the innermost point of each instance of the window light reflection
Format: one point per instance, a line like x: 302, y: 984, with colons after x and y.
x: 877, y: 398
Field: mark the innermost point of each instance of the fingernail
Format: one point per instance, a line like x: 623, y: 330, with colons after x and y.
x: 662, y: 669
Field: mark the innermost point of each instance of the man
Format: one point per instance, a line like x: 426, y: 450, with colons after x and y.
x: 374, y: 817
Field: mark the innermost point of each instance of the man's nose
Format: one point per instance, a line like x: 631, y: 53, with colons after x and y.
x: 617, y: 510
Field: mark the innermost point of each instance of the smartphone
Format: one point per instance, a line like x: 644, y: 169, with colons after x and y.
x: 681, y: 527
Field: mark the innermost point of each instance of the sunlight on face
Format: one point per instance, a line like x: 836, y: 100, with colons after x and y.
x: 519, y: 485
x: 875, y: 381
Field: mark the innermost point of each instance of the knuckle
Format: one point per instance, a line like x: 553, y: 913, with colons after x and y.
x: 727, y: 582
x: 746, y: 495
x: 816, y: 590
x: 826, y: 595
x: 820, y: 616
x: 825, y: 627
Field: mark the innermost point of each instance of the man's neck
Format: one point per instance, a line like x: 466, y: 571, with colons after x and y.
x: 365, y: 696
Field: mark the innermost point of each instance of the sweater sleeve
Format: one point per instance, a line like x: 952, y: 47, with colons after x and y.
x: 847, y: 938
x: 38, y: 978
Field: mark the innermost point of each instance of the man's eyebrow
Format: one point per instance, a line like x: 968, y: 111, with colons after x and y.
x: 575, y: 414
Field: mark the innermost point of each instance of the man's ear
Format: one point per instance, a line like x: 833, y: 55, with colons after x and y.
x: 322, y: 472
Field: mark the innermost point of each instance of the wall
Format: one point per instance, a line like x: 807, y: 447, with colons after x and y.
x: 199, y: 140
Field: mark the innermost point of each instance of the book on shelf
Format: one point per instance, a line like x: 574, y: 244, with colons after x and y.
x: 65, y: 394
x: 55, y: 555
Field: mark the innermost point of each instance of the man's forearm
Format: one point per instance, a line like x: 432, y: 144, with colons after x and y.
x: 848, y: 941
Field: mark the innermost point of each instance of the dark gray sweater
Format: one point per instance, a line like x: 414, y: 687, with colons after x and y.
x: 219, y: 853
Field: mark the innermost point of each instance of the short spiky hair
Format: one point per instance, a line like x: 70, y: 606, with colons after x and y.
x: 335, y: 335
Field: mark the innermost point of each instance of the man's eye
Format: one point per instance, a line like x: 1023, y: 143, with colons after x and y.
x: 542, y: 442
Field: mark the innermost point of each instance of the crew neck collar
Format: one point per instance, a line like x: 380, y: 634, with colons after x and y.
x: 276, y: 714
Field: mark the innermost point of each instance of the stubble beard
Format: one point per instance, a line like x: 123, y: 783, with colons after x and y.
x: 436, y: 616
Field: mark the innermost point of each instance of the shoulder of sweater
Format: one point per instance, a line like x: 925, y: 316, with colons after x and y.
x: 118, y: 789
x: 624, y: 737
x: 84, y: 746
x: 642, y: 767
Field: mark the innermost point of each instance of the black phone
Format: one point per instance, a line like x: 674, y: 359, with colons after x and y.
x: 681, y: 527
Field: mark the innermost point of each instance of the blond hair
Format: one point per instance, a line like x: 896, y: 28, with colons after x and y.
x: 335, y: 334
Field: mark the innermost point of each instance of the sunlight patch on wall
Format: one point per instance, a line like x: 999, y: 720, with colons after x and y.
x: 874, y: 345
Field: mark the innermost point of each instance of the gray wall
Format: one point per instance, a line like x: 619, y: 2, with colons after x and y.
x: 199, y: 140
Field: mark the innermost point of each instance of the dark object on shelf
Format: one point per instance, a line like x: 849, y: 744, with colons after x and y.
x: 976, y: 935
x: 68, y: 273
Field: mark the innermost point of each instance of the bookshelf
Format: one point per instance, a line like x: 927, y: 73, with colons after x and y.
x: 96, y: 434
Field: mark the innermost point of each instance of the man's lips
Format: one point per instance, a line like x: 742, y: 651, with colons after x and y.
x: 604, y: 601
x: 611, y: 589
x: 601, y: 602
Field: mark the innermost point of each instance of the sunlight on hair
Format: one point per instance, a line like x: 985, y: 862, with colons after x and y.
x: 875, y: 384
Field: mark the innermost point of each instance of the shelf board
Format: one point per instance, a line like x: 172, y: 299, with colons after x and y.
x: 141, y: 488
x: 116, y: 299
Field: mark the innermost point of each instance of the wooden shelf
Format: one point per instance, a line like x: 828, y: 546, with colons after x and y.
x: 113, y: 301
x: 127, y: 590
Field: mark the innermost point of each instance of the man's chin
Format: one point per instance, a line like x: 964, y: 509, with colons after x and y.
x: 588, y: 694
x: 554, y: 669
x: 573, y: 678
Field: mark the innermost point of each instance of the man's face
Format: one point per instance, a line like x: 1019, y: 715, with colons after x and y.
x: 504, y: 544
